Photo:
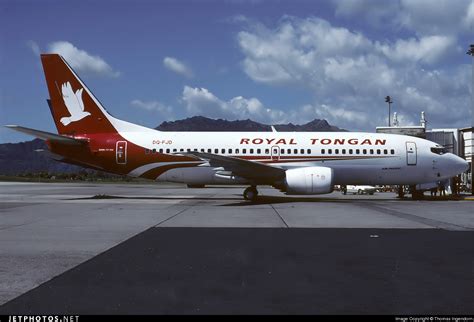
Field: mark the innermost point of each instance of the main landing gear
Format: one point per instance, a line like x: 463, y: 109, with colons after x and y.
x: 251, y: 193
x: 416, y: 194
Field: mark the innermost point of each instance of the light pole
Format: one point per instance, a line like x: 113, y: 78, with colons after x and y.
x: 388, y: 99
x: 470, y: 52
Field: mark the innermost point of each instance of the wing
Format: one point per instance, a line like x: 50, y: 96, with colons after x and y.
x: 70, y: 99
x: 258, y: 172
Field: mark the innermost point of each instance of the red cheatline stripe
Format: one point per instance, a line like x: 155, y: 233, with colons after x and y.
x: 155, y: 172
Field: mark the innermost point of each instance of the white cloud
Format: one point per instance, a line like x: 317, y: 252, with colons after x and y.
x: 375, y: 12
x: 200, y: 101
x: 428, y: 17
x: 350, y: 74
x: 81, y: 60
x: 424, y: 17
x: 427, y: 49
x: 177, y: 66
x: 34, y: 47
x: 164, y: 110
x: 468, y: 20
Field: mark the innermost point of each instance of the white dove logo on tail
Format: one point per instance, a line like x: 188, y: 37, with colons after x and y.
x: 74, y: 104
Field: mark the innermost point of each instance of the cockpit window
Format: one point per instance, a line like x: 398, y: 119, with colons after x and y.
x: 439, y: 150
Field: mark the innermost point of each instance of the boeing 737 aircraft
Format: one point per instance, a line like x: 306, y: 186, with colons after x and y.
x: 304, y: 163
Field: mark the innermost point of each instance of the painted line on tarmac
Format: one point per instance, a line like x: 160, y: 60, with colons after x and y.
x: 415, y: 218
x: 281, y: 218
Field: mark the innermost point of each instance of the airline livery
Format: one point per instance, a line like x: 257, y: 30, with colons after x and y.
x: 302, y: 163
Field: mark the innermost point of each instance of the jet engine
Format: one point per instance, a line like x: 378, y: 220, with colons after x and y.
x: 309, y: 181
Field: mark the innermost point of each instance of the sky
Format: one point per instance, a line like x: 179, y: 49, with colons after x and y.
x: 268, y: 60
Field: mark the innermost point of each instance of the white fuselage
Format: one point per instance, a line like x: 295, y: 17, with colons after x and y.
x: 355, y: 157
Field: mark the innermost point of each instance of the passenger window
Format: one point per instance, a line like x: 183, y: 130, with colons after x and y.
x: 296, y: 151
x: 251, y: 151
x: 371, y: 151
x: 202, y: 150
x: 167, y: 150
x: 195, y: 150
x: 147, y: 151
x: 236, y: 151
x: 174, y: 150
x: 378, y: 151
x: 244, y: 151
x: 309, y: 151
x: 161, y: 150
x: 259, y: 151
x: 343, y: 151
x: 153, y: 151
x: 357, y: 151
x: 350, y: 151
x: 392, y: 151
x: 267, y: 151
x: 302, y: 151
x: 323, y: 151
x: 288, y: 151
x: 364, y: 151
x: 329, y: 151
x: 209, y: 150
x: 189, y: 150
x: 282, y: 151
x: 223, y: 151
x: 336, y: 151
x: 216, y: 151
x: 385, y: 151
x: 181, y: 150
x: 230, y: 151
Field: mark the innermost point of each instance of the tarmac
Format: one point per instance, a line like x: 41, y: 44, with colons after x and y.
x: 81, y: 248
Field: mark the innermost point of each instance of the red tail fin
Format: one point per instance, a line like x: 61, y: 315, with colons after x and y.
x: 75, y: 109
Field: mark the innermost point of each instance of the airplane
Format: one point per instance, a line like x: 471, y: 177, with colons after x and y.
x: 296, y: 163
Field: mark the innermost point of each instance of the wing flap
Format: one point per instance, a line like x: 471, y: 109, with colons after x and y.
x: 47, y: 135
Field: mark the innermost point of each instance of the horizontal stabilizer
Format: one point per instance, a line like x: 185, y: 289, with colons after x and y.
x: 47, y: 135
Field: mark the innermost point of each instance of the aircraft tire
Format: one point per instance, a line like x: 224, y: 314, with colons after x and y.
x: 250, y: 194
x: 196, y: 186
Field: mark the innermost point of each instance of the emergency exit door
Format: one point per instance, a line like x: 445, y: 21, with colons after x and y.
x: 411, y: 153
x: 121, y: 152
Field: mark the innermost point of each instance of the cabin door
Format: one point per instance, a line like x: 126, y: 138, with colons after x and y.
x: 275, y: 151
x: 411, y: 153
x: 121, y: 152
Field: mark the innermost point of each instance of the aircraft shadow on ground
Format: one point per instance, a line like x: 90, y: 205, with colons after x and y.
x: 265, y: 200
x: 111, y: 197
x: 261, y: 200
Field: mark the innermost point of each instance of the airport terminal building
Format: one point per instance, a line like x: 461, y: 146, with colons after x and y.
x: 457, y: 141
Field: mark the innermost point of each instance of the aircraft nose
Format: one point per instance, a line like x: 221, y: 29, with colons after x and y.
x: 460, y: 164
x: 465, y: 165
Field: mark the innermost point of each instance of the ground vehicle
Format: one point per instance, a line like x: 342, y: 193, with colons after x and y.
x: 359, y: 190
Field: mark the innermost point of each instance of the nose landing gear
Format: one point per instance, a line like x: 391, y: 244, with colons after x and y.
x: 251, y: 193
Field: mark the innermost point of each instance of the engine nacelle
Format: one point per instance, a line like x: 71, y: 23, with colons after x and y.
x: 309, y: 181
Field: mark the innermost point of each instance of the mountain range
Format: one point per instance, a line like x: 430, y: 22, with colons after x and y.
x: 21, y: 158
